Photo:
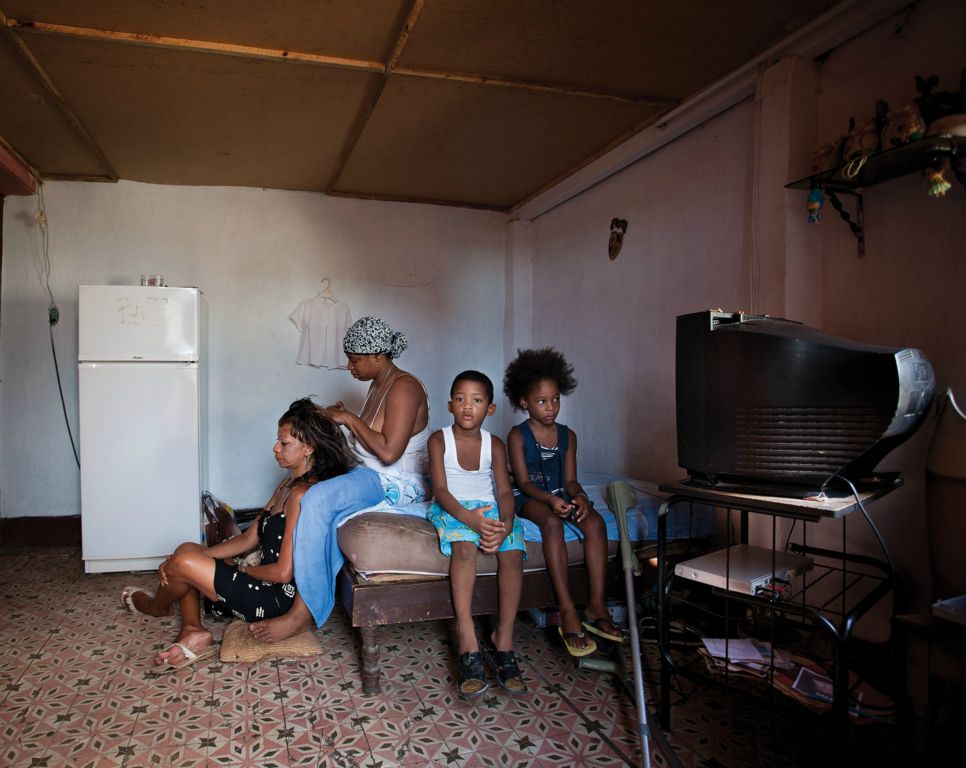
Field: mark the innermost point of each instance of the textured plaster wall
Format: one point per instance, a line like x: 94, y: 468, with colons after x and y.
x: 686, y: 249
x: 435, y: 273
x: 704, y: 231
x: 908, y: 289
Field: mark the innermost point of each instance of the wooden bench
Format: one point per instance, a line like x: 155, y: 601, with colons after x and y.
x: 371, y: 604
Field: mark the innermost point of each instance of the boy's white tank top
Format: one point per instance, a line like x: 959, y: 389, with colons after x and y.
x: 467, y: 485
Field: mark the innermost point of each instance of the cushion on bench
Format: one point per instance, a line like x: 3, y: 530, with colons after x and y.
x: 400, y: 540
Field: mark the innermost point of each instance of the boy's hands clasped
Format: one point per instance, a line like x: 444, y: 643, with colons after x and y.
x: 492, y: 532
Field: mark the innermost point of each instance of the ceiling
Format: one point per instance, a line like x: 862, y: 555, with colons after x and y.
x: 479, y: 103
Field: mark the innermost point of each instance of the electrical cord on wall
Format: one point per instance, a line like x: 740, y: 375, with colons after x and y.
x: 53, y: 313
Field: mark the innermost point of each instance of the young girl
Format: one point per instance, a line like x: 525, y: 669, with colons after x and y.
x: 473, y: 509
x: 312, y: 448
x: 543, y: 458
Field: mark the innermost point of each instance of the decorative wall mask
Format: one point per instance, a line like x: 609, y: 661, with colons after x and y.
x: 617, y: 229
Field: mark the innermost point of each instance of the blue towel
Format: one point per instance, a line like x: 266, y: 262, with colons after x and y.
x: 684, y: 521
x: 317, y: 555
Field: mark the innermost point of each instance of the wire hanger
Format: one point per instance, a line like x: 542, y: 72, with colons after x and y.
x: 326, y: 292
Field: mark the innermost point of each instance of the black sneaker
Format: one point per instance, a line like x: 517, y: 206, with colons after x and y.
x: 471, y: 679
x: 503, y: 664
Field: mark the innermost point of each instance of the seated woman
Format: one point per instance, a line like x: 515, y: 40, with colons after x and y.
x: 389, y: 436
x: 313, y: 449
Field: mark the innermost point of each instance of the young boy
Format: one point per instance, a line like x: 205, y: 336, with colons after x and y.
x: 473, y: 508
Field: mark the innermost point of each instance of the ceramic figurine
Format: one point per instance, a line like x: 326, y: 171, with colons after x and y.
x: 938, y: 185
x: 813, y: 205
x: 939, y: 104
x: 903, y: 124
x: 863, y: 139
x: 826, y: 157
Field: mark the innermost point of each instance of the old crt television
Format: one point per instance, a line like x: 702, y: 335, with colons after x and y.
x: 772, y: 406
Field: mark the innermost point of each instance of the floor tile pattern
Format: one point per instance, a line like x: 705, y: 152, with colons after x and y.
x: 78, y: 688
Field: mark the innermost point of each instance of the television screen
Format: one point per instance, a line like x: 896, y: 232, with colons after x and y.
x: 771, y: 405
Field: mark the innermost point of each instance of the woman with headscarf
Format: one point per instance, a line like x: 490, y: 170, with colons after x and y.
x: 392, y: 429
x: 389, y: 436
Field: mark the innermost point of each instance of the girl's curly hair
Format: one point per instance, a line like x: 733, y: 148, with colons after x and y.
x: 331, y: 453
x: 532, y: 366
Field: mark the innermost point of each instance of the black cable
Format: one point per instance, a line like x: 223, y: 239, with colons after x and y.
x: 872, y: 525
x: 53, y: 313
x: 63, y: 403
x: 789, y: 537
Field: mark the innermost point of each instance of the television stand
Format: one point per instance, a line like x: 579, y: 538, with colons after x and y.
x: 830, y: 597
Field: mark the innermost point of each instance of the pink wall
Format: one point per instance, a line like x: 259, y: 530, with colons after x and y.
x: 701, y: 236
x: 909, y: 288
x: 685, y: 250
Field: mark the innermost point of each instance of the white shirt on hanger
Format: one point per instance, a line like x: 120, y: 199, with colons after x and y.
x: 323, y: 322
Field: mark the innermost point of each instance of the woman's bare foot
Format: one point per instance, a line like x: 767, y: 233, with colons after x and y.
x: 290, y: 624
x: 196, y: 640
x: 143, y: 602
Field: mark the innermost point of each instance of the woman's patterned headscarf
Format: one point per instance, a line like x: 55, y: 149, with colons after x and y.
x: 372, y: 336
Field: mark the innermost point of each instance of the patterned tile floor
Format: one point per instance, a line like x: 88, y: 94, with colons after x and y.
x: 78, y: 688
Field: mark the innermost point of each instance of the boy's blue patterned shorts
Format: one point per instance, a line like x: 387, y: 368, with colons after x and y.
x: 449, y: 529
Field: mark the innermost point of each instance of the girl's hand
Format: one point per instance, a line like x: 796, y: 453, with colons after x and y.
x: 581, y: 508
x: 561, y: 507
x: 162, y: 576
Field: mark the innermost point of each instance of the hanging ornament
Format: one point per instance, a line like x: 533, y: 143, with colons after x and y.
x: 813, y: 205
x: 938, y: 186
x: 616, y: 239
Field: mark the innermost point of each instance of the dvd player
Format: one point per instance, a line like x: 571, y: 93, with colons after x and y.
x: 745, y: 568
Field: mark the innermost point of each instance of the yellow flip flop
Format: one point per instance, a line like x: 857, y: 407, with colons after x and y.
x: 575, y: 650
x: 595, y: 626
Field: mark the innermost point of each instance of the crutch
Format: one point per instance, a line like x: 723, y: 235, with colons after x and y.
x: 620, y: 498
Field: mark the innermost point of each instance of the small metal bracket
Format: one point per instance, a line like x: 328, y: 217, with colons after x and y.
x: 857, y: 225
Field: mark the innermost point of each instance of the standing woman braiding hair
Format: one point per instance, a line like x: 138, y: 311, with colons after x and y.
x: 392, y: 429
x: 389, y: 436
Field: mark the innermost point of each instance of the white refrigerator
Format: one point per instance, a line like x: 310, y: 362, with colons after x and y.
x: 142, y: 454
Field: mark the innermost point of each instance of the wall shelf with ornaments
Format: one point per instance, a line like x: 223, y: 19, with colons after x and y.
x: 931, y: 152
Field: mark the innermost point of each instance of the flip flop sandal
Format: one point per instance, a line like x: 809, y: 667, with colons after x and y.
x: 503, y: 664
x: 190, y: 656
x: 596, y: 626
x: 127, y: 599
x: 576, y: 650
x: 471, y: 679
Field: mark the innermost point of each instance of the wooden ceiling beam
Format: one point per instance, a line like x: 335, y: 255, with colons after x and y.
x: 528, y: 85
x: 362, y: 65
x: 418, y: 200
x: 404, y: 33
x: 17, y: 176
x: 362, y: 119
x: 62, y: 104
x: 198, y: 46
